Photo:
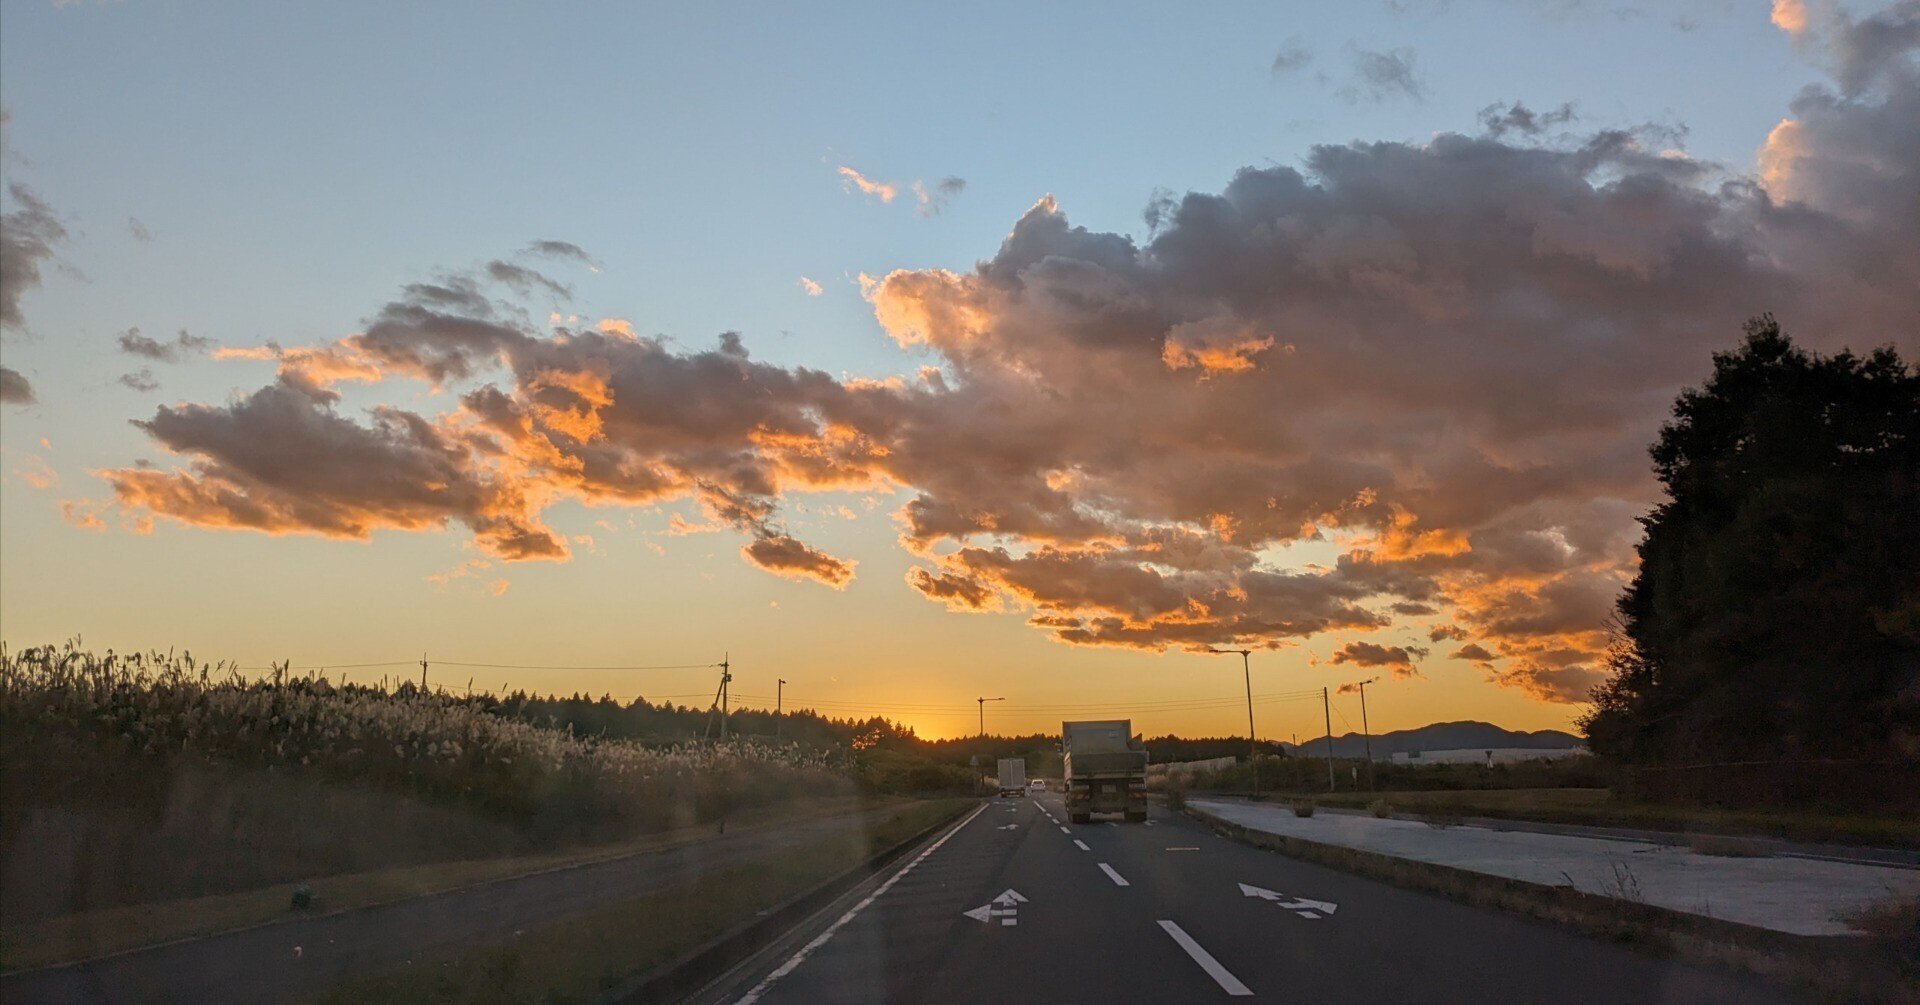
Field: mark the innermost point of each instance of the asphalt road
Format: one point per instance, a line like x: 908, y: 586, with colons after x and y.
x: 1015, y: 904
x: 292, y: 960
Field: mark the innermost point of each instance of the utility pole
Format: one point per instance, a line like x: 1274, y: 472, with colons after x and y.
x: 1326, y: 708
x: 983, y: 713
x: 779, y: 691
x: 726, y: 677
x: 423, y: 671
x: 1366, y: 731
x: 720, y: 699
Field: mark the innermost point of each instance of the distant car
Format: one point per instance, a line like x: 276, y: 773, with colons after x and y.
x: 1038, y: 785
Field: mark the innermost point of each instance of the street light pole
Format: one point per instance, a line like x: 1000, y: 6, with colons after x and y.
x: 1253, y: 744
x: 1326, y: 709
x: 983, y: 712
x: 779, y: 692
x: 1366, y: 731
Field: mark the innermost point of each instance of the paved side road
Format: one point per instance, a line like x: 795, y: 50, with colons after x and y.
x: 1015, y: 904
x: 1795, y: 895
x: 301, y: 959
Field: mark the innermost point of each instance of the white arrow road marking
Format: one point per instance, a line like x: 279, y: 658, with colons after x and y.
x: 1006, y: 907
x: 794, y: 961
x: 1118, y: 880
x: 1299, y: 905
x: 1228, y: 983
x: 1082, y: 845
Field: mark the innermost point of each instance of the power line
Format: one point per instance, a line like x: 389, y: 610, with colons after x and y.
x: 525, y: 666
x: 333, y: 666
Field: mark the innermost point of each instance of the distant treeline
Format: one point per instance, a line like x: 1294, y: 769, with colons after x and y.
x: 668, y: 724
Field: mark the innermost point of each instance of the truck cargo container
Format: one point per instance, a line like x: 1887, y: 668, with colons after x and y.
x: 1013, y: 776
x: 1106, y: 769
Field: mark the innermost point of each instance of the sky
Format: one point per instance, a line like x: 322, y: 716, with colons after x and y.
x: 912, y: 355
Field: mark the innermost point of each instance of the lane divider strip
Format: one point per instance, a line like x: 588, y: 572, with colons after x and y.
x: 1118, y: 880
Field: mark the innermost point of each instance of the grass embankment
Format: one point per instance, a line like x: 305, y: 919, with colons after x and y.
x: 115, y: 929
x: 1599, y: 807
x: 580, y: 959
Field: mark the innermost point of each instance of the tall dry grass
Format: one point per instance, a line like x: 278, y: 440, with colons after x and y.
x: 102, y: 754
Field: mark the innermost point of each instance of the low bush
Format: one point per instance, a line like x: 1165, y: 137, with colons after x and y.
x: 1380, y: 808
x: 1303, y: 807
x: 1176, y: 788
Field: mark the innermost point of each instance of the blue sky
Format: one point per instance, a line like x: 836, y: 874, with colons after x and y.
x: 294, y: 165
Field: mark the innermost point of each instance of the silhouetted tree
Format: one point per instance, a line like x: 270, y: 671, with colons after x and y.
x: 1776, y: 613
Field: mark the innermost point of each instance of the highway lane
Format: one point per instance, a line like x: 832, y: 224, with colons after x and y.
x: 1016, y: 904
x: 294, y: 960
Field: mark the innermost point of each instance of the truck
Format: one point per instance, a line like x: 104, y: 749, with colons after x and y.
x: 1013, y: 776
x: 1106, y: 769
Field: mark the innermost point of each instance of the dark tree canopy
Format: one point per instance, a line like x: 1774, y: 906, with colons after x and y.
x: 1776, y: 614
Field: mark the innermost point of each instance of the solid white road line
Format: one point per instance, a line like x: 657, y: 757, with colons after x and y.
x: 1118, y: 880
x: 1229, y: 983
x: 1082, y: 844
x: 800, y: 957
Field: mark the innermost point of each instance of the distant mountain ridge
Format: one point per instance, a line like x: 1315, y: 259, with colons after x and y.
x: 1437, y: 736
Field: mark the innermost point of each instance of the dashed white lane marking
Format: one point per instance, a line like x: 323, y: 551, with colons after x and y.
x: 1081, y: 844
x: 1118, y: 880
x: 1228, y: 983
x: 1064, y: 830
x: 800, y: 957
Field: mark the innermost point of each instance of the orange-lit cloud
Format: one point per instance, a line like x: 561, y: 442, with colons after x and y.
x: 855, y: 181
x: 1790, y: 16
x: 83, y: 514
x: 36, y: 472
x: 810, y: 287
x: 1214, y: 345
x: 784, y: 556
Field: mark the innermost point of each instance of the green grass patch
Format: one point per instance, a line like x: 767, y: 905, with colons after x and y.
x: 114, y: 929
x: 580, y: 959
x: 1599, y: 807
